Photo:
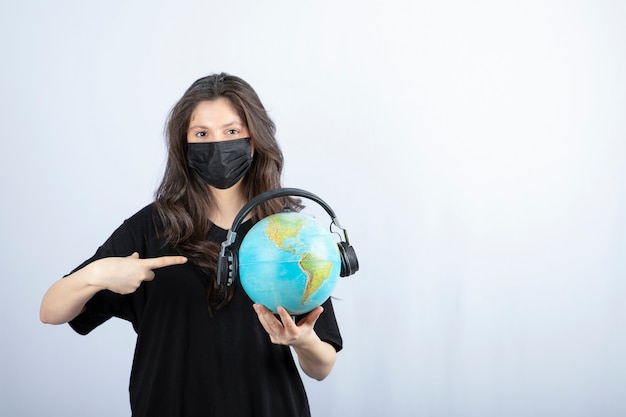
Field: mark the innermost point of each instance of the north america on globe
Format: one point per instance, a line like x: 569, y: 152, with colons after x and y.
x: 283, y: 231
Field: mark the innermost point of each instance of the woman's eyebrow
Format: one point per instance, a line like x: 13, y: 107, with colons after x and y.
x: 233, y: 123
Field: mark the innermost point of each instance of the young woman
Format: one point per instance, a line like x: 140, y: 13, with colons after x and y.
x: 202, y: 349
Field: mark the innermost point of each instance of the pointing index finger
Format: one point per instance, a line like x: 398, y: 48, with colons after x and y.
x: 163, y: 261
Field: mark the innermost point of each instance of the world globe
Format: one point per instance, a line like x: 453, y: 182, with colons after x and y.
x: 289, y: 259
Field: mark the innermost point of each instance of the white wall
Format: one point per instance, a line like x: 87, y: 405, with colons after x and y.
x: 474, y: 150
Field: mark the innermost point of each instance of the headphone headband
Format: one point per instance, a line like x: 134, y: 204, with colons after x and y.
x: 277, y: 193
x: 270, y: 195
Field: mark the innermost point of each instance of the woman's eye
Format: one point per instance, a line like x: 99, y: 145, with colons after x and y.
x: 201, y: 134
x: 233, y: 131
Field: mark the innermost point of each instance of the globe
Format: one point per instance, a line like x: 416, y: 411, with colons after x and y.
x: 289, y: 259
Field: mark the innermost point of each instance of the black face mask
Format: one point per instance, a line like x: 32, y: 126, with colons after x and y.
x: 220, y: 164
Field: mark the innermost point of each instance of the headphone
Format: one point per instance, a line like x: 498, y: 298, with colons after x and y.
x: 227, y: 261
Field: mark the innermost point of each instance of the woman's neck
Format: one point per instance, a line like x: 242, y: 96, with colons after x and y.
x: 228, y: 203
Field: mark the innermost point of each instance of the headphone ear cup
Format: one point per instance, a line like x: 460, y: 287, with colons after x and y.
x: 234, y: 266
x: 349, y: 261
x: 222, y: 267
x: 227, y: 267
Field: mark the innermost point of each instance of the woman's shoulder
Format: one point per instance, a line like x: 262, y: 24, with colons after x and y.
x: 138, y: 233
x: 144, y: 219
x: 148, y: 212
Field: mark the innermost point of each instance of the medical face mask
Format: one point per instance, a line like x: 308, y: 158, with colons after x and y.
x: 220, y: 164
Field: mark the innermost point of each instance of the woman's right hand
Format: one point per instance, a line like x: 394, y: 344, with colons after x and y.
x: 66, y: 298
x: 123, y: 275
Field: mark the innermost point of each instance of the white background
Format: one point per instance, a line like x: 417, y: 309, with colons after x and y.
x: 474, y: 150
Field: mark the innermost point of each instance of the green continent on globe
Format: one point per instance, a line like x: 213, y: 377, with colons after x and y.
x: 317, y: 269
x: 280, y: 229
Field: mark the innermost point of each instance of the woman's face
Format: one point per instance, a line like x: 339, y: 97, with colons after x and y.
x: 215, y: 121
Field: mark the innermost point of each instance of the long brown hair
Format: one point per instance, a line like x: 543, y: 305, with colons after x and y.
x: 183, y: 200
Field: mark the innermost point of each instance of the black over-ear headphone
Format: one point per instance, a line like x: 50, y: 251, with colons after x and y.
x: 227, y: 261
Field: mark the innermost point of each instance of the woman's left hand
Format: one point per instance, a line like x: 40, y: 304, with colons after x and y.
x: 316, y: 357
x: 285, y: 331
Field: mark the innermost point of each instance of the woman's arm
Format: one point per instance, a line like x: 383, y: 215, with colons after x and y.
x: 67, y: 297
x: 315, y: 356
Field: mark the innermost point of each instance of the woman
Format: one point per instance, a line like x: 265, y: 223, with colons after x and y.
x: 202, y: 349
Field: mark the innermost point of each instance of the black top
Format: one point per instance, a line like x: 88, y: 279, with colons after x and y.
x: 189, y: 362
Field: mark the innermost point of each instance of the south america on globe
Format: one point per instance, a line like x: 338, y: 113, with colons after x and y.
x: 289, y: 259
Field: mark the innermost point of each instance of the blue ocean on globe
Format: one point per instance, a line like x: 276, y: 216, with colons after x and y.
x: 289, y: 259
